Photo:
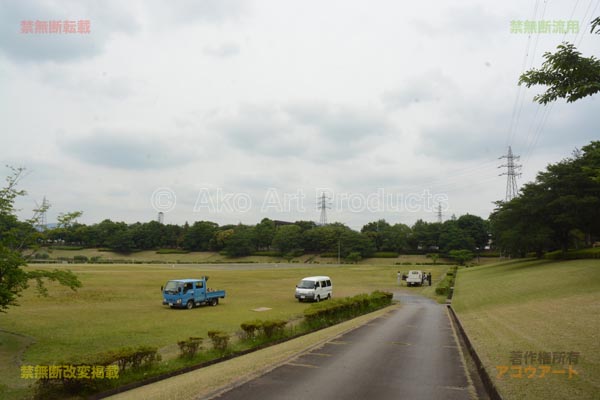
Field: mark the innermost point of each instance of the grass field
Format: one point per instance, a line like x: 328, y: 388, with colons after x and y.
x: 120, y: 305
x: 537, y: 306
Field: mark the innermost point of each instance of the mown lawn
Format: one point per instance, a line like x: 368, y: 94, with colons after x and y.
x: 120, y: 305
x: 536, y: 306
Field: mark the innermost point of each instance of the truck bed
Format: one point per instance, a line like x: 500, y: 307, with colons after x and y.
x: 215, y: 294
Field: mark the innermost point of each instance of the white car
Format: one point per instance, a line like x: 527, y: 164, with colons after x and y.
x: 314, y: 288
x: 414, y: 278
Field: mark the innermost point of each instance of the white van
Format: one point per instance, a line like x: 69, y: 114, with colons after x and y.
x: 415, y: 278
x: 315, y: 288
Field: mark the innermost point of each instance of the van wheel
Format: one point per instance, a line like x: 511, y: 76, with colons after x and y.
x: 299, y: 300
x: 318, y: 299
x: 329, y: 296
x: 189, y: 305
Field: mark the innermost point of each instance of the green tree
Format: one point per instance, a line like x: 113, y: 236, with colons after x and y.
x: 461, y: 256
x: 374, y: 231
x: 560, y: 206
x: 16, y: 238
x: 452, y: 237
x: 353, y: 257
x: 425, y: 235
x: 395, y: 238
x: 198, y: 237
x: 434, y: 257
x: 242, y: 242
x: 287, y: 238
x: 567, y: 74
x: 265, y: 231
x: 476, y: 228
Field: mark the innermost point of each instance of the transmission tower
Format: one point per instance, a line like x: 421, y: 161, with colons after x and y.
x: 323, y: 206
x: 512, y: 172
x: 439, y: 213
x: 40, y: 214
x: 161, y: 218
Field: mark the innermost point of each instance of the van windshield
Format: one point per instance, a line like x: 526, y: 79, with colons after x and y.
x: 306, y: 285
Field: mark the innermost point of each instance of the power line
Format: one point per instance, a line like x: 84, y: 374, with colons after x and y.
x: 518, y: 104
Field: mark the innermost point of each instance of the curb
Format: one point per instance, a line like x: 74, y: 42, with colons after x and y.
x: 489, y: 386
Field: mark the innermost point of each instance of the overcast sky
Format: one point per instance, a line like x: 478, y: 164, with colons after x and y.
x: 233, y: 111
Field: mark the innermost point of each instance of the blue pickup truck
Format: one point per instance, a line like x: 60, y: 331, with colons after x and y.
x: 189, y: 293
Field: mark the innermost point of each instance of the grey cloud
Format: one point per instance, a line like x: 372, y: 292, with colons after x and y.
x: 467, y: 134
x: 116, y: 87
x: 105, y: 19
x: 431, y: 87
x: 473, y: 133
x: 224, y: 50
x: 111, y: 149
x: 262, y: 130
x: 472, y: 20
x: 338, y: 122
x: 189, y: 11
x: 314, y: 131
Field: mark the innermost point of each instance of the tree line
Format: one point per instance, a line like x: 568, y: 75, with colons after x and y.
x: 467, y: 232
x: 558, y: 211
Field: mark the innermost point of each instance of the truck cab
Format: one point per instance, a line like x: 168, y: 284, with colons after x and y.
x: 189, y: 293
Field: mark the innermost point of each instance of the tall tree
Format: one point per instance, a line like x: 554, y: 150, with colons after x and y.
x: 288, y: 238
x: 16, y: 238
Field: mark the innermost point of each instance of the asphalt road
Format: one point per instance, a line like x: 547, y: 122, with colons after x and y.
x: 409, y: 353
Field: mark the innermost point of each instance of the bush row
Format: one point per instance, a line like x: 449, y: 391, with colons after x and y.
x: 267, y: 253
x: 125, y: 359
x: 574, y: 254
x: 266, y: 329
x: 338, y: 310
x: 443, y: 287
x: 420, y: 263
x: 385, y: 254
x: 172, y: 251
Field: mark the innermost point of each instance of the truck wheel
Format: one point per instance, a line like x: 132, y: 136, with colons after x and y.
x: 214, y: 302
x: 189, y: 305
x: 299, y: 300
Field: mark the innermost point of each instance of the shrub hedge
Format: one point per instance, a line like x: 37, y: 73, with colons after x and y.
x: 385, y: 254
x: 337, y: 310
x: 593, y: 252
